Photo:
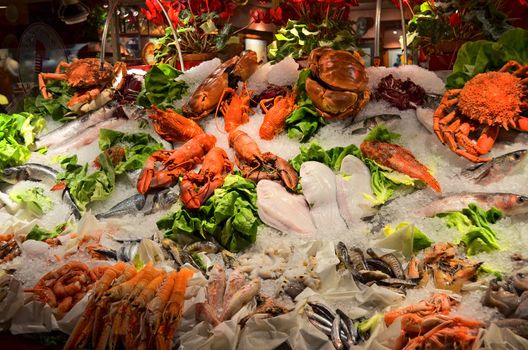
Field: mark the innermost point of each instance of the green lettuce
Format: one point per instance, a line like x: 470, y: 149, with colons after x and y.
x: 229, y: 216
x: 86, y: 188
x: 33, y: 200
x: 481, y: 56
x: 420, y: 239
x: 305, y: 121
x: 17, y: 134
x: 138, y: 147
x: 38, y: 233
x: 160, y: 88
x: 474, y: 224
x: 381, y: 133
x: 56, y: 107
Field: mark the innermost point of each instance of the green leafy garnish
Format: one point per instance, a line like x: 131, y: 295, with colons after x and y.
x: 229, y: 216
x: 17, y: 133
x: 381, y: 133
x: 305, y: 121
x: 420, y: 240
x: 369, y: 325
x: 138, y: 147
x: 57, y: 106
x: 86, y: 188
x: 474, y: 223
x: 33, y: 199
x: 483, y: 269
x: 481, y: 56
x: 38, y: 233
x: 160, y: 88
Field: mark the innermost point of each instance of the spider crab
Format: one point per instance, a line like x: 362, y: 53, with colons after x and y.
x: 94, y: 84
x: 488, y: 102
x: 338, y: 83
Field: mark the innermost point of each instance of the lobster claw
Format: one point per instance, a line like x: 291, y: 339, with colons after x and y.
x: 144, y: 179
x: 287, y: 173
x: 192, y: 195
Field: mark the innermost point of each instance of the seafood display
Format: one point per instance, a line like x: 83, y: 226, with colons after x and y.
x: 463, y: 111
x: 165, y: 228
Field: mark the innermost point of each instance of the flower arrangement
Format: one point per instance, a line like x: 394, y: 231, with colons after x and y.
x: 307, y: 24
x: 202, y: 26
x: 436, y: 22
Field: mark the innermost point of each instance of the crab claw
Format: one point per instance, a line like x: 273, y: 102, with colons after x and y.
x: 287, y: 173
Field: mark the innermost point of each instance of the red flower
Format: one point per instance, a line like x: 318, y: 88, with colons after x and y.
x: 153, y: 12
x: 276, y: 14
x: 454, y: 19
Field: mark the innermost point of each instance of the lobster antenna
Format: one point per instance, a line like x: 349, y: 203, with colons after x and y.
x: 216, y: 112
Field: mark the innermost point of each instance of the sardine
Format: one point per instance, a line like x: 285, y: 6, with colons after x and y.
x: 145, y: 204
x: 352, y: 330
x: 496, y: 169
x: 509, y: 203
x: 321, y: 323
x: 334, y: 335
x: 369, y: 123
x: 397, y: 282
x: 73, y: 128
x: 39, y: 172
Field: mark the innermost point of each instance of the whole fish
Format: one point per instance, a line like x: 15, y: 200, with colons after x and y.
x: 86, y: 137
x: 73, y: 128
x: 509, y: 203
x: 39, y: 172
x: 144, y: 204
x: 496, y: 169
x: 369, y: 123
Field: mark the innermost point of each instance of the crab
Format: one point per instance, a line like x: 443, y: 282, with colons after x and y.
x: 338, y: 83
x: 468, y: 120
x: 94, y: 84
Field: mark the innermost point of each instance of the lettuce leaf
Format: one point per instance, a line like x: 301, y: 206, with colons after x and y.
x: 17, y: 134
x: 305, y: 121
x: 86, y: 188
x: 33, y: 199
x: 420, y: 239
x: 481, y: 56
x: 160, y: 88
x: 38, y: 233
x: 474, y: 224
x: 138, y: 147
x: 381, y: 133
x: 229, y: 216
x: 56, y: 107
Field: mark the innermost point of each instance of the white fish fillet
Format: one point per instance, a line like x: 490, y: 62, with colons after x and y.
x: 319, y: 188
x: 352, y: 183
x: 282, y: 210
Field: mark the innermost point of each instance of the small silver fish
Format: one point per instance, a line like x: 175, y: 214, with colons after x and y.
x: 509, y: 203
x: 496, y: 169
x: 369, y: 123
x: 335, y: 334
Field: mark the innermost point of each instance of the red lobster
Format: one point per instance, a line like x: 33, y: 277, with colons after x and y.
x: 195, y: 188
x: 174, y: 163
x: 275, y: 118
x: 256, y: 165
x: 172, y: 126
x: 236, y: 112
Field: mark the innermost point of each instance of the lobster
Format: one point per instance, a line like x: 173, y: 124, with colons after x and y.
x: 174, y: 163
x: 275, y: 118
x: 236, y: 112
x: 256, y: 165
x: 172, y: 126
x: 210, y: 92
x: 196, y: 188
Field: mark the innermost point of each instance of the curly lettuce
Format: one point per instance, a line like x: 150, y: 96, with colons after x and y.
x: 33, y: 200
x: 161, y: 88
x: 229, y: 216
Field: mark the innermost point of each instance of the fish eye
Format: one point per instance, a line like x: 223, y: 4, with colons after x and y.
x: 516, y: 156
x: 523, y: 199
